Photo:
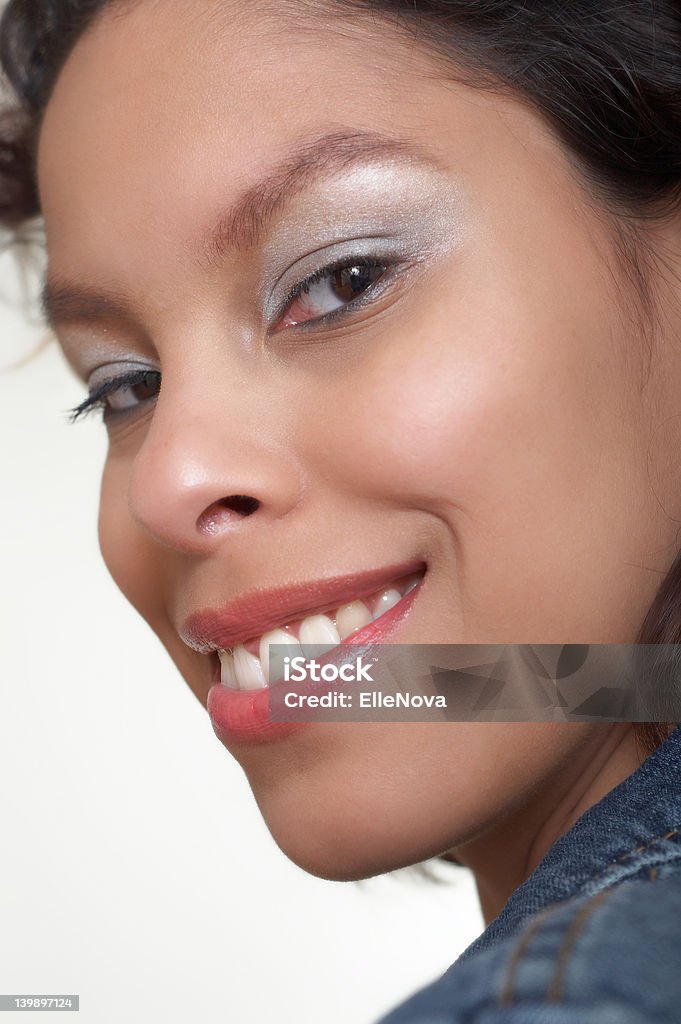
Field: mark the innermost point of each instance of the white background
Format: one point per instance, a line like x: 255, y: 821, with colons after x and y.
x: 135, y: 869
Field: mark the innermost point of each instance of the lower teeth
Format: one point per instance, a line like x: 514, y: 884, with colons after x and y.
x: 242, y: 670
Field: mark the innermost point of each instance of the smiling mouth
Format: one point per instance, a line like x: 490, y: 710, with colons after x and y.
x: 246, y: 666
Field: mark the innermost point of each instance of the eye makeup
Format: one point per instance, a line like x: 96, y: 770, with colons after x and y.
x: 380, y: 211
x: 360, y: 251
x: 111, y: 389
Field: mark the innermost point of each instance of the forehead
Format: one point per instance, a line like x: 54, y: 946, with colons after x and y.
x: 165, y: 111
x: 155, y: 93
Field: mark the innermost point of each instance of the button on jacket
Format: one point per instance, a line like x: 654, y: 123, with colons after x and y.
x: 594, y: 934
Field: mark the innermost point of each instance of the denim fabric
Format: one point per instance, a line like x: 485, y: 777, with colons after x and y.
x: 594, y: 934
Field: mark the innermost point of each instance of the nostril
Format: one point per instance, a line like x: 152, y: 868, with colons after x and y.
x: 222, y: 512
x: 241, y: 503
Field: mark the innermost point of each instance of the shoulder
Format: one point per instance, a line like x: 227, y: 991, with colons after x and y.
x: 608, y: 957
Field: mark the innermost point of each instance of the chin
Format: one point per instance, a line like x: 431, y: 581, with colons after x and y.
x: 347, y: 836
x: 338, y: 859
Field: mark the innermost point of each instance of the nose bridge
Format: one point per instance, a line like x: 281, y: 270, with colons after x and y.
x: 216, y: 459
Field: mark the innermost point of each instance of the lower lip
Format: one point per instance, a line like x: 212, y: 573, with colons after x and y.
x: 242, y: 716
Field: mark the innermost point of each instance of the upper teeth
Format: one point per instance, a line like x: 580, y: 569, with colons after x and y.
x: 241, y: 669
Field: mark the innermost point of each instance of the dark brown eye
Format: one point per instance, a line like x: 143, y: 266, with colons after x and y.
x: 132, y: 392
x: 350, y: 282
x: 330, y: 289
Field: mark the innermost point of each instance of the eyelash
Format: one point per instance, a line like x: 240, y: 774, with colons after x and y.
x: 97, y: 398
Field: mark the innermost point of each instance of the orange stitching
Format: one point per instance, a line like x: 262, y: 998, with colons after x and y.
x: 637, y: 849
x: 506, y: 994
x: 557, y: 984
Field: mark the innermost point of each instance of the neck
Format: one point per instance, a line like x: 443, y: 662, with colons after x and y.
x: 504, y: 856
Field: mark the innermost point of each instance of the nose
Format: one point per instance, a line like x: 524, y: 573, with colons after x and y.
x: 205, y: 471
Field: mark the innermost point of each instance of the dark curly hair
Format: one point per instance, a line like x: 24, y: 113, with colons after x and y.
x: 606, y: 78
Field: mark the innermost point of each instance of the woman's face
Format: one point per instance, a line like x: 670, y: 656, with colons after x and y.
x: 478, y: 410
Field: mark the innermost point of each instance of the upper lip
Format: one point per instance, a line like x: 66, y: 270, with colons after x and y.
x: 250, y: 615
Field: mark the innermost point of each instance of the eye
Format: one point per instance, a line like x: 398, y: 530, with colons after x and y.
x: 120, y: 395
x: 331, y: 291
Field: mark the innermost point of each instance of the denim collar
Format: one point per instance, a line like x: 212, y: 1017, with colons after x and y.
x: 643, y: 807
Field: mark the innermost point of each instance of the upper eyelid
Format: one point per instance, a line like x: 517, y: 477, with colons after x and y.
x: 116, y: 368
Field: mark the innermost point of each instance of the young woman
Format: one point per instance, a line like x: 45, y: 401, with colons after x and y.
x: 381, y: 305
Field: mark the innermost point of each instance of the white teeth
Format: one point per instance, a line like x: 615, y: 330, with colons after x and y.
x: 351, y: 617
x: 241, y: 670
x: 227, y: 674
x: 277, y: 636
x: 387, y: 600
x: 248, y: 670
x: 320, y: 632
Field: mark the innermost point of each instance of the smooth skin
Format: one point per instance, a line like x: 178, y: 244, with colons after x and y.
x: 497, y: 410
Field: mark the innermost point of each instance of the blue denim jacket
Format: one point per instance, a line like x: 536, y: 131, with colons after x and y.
x: 594, y: 934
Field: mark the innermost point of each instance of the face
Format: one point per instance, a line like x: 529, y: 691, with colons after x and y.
x: 461, y: 398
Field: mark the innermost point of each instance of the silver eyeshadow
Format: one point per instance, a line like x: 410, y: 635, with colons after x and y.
x: 380, y: 209
x: 117, y: 367
x: 383, y: 209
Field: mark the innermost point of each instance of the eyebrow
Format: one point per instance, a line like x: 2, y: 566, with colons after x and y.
x: 245, y: 223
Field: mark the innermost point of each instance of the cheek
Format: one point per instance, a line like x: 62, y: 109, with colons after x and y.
x: 505, y: 412
x: 460, y: 406
x: 144, y: 573
x: 131, y: 558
